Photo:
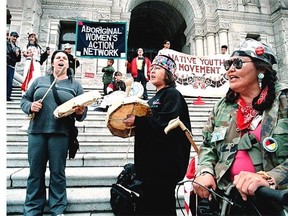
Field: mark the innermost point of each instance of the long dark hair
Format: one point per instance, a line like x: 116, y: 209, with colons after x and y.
x: 169, y: 79
x: 270, y: 77
x: 31, y: 44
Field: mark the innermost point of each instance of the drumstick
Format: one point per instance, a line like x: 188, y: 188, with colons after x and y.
x: 53, y: 83
x: 50, y: 87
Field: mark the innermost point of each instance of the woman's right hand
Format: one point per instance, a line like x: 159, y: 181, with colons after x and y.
x: 206, y: 180
x: 36, y: 106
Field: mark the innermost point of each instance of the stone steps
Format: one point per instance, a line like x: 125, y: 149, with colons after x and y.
x: 80, y: 160
x: 84, y: 177
x: 85, y: 147
x: 81, y: 201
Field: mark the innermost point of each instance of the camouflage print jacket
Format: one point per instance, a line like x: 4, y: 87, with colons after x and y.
x: 222, y: 140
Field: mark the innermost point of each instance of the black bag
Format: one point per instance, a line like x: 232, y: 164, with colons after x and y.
x: 73, y: 146
x: 126, y: 192
x: 207, y: 207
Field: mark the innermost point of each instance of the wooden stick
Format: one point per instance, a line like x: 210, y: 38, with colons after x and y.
x: 178, y: 123
x: 31, y: 117
x: 53, y: 83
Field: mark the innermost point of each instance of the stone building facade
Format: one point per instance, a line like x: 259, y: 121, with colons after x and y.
x: 197, y: 27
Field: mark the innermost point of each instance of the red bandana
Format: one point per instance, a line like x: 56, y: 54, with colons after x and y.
x: 245, y: 113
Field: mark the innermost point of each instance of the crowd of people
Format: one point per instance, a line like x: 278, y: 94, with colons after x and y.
x: 237, y: 137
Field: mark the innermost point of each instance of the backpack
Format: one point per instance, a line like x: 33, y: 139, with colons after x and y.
x: 126, y: 192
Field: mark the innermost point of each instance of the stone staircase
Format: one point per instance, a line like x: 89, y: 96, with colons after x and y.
x: 95, y: 167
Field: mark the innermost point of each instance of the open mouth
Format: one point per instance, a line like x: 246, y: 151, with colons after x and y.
x: 61, y: 64
x: 232, y: 78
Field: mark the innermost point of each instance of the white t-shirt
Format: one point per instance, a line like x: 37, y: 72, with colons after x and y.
x: 35, y: 50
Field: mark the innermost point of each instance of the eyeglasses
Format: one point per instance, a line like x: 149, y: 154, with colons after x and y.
x: 237, y: 63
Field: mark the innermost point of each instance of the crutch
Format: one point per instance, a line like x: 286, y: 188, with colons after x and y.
x: 174, y: 123
x: 188, y: 186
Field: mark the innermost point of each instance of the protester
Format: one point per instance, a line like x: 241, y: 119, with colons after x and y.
x: 12, y: 57
x: 161, y: 159
x: 117, y: 84
x: 48, y: 138
x: 35, y: 57
x: 107, y: 77
x: 241, y: 128
x: 166, y: 46
x: 119, y: 87
x: 140, y: 70
x: 224, y: 49
x: 73, y: 61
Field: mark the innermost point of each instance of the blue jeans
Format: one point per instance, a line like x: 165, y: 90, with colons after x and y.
x: 41, y: 149
x: 10, y: 77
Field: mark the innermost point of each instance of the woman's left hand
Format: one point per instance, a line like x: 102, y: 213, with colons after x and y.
x: 79, y: 110
x: 247, y: 183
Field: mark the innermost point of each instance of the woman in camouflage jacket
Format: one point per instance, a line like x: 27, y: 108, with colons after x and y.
x: 246, y: 136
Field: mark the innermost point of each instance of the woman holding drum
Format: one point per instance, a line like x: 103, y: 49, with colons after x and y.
x: 161, y: 159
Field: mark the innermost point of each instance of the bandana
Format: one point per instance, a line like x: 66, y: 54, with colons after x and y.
x: 245, y: 113
x: 165, y: 62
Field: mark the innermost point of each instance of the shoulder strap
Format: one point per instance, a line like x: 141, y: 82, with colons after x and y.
x: 56, y: 97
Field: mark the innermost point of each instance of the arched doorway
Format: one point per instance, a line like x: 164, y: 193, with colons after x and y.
x: 150, y: 24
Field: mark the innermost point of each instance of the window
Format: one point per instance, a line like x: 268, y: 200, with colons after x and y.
x: 67, y: 34
x: 254, y: 36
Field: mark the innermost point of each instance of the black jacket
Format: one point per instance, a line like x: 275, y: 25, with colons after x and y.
x: 160, y: 156
x: 72, y: 62
x: 11, y: 57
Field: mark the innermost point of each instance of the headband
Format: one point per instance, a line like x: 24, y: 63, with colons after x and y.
x: 165, y: 62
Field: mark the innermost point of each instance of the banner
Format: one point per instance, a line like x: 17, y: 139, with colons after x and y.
x: 101, y: 39
x: 199, y: 76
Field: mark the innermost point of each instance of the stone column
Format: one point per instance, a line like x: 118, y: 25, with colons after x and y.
x: 191, y: 45
x: 210, y: 43
x: 223, y: 37
x: 115, y: 2
x: 54, y: 32
x: 199, y: 45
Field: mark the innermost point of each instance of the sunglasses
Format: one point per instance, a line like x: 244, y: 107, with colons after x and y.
x: 237, y: 63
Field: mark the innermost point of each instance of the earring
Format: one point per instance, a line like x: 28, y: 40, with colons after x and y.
x: 260, y: 77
